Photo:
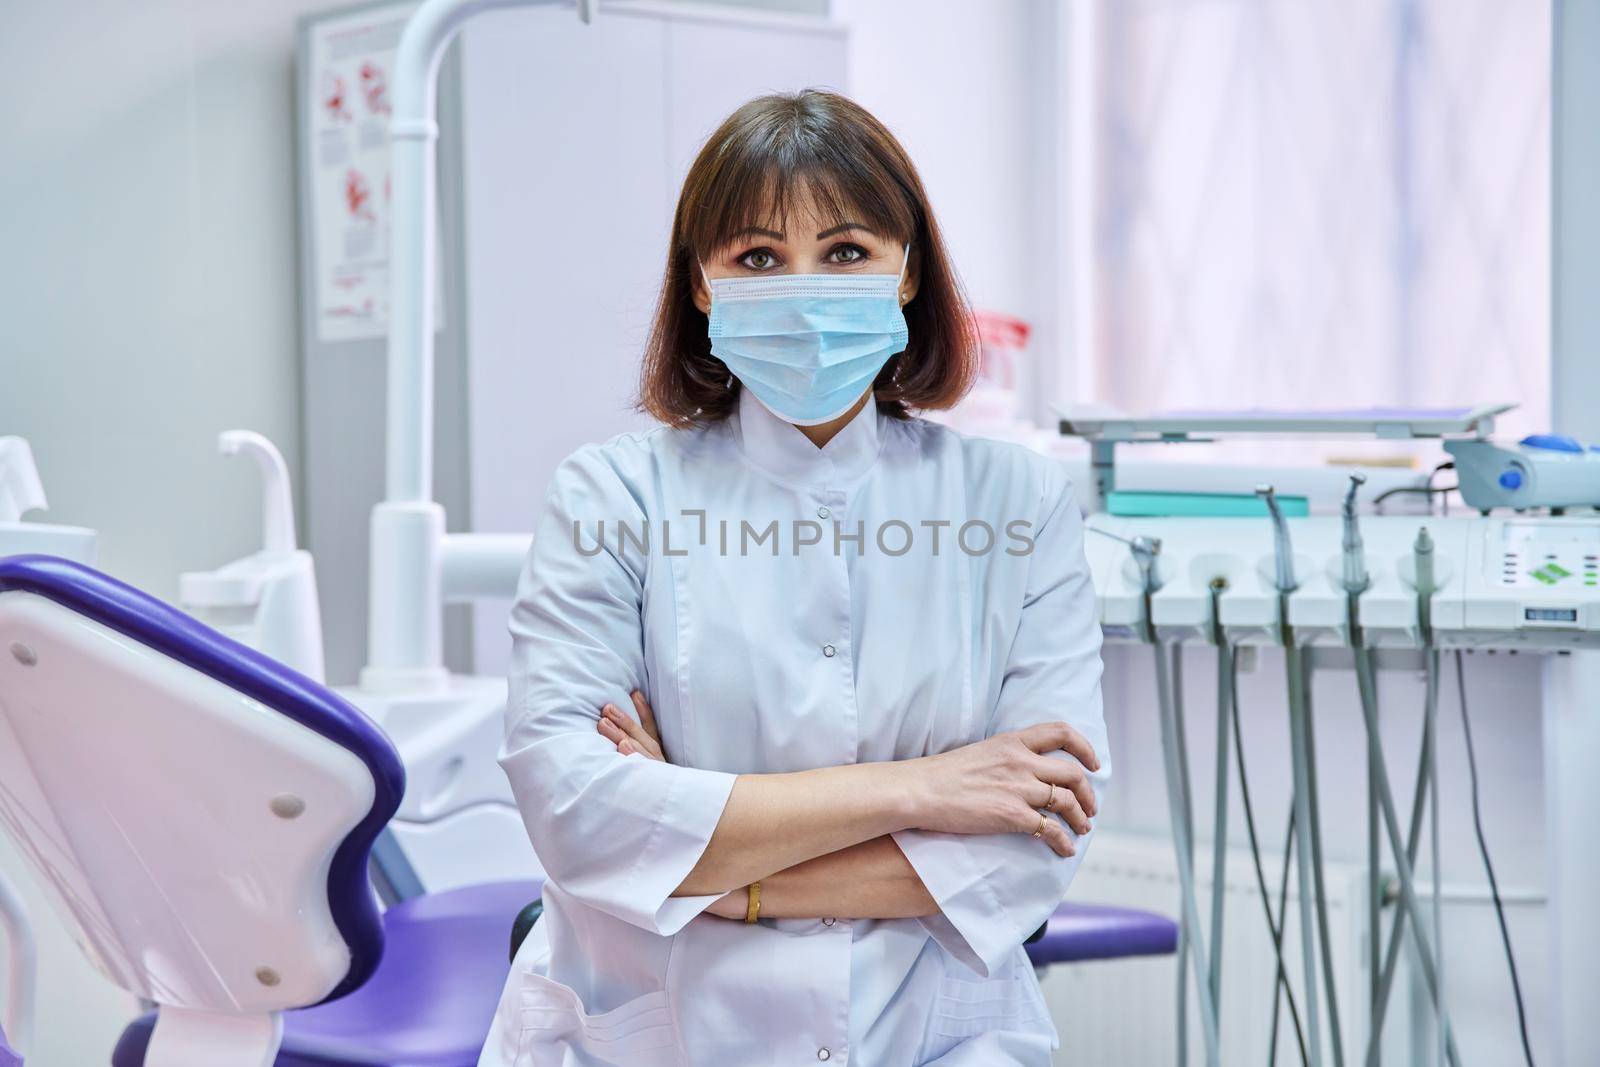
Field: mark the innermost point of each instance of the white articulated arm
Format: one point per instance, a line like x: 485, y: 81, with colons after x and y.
x: 406, y: 597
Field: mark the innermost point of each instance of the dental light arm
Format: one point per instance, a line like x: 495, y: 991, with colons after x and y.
x: 413, y: 560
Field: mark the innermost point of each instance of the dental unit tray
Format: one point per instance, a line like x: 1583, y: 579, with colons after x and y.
x: 1104, y: 432
x: 1398, y: 424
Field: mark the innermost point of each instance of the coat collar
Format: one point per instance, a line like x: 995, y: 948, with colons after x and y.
x: 779, y: 447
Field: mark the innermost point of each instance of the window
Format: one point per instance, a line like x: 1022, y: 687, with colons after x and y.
x: 1338, y: 203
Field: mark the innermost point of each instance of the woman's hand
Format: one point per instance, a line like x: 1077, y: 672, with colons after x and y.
x: 1000, y: 785
x: 629, y: 736
x: 997, y: 785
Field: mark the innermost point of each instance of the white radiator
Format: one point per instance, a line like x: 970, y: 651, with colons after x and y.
x: 1124, y: 1012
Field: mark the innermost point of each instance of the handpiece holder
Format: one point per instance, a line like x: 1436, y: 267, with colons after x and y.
x: 1144, y: 550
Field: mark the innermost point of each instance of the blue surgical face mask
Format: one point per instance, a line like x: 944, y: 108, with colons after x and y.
x: 807, y: 345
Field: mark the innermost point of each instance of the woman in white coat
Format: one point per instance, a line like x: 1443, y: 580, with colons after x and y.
x: 804, y: 717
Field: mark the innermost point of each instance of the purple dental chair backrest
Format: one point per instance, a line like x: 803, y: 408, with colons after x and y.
x: 8, y: 1055
x: 202, y: 814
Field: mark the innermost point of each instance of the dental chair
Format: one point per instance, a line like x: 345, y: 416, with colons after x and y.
x: 1078, y: 932
x: 203, y: 818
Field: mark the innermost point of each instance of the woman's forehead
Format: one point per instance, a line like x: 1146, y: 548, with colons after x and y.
x: 803, y: 213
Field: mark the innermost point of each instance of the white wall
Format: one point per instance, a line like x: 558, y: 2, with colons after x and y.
x: 967, y: 88
x: 147, y: 207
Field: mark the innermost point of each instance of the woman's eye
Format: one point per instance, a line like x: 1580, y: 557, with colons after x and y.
x: 758, y: 259
x: 847, y: 254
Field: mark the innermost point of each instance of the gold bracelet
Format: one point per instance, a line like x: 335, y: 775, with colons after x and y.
x: 753, y: 909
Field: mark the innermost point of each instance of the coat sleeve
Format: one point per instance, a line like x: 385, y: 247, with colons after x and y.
x: 619, y: 833
x: 993, y: 890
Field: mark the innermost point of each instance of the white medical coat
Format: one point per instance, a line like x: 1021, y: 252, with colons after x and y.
x: 894, y: 635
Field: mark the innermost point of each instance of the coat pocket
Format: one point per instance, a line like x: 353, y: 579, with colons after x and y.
x: 966, y: 1006
x: 558, y: 1032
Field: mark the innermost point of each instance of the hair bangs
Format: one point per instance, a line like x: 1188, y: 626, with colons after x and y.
x: 767, y: 172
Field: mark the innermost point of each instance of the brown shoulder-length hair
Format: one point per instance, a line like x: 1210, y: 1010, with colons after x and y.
x: 830, y: 149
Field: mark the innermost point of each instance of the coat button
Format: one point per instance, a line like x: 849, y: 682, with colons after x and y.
x: 827, y: 922
x: 824, y: 1054
x: 827, y: 650
x: 823, y: 513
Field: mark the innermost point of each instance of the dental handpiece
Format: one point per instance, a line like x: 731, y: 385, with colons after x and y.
x: 1354, y: 557
x: 1144, y: 550
x: 1282, y: 550
x: 1422, y: 552
x: 1422, y: 558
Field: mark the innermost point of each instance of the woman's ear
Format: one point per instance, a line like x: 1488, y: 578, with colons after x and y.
x: 698, y: 291
x: 908, y: 285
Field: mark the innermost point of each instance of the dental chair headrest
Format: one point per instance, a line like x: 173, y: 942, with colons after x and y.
x: 258, y: 735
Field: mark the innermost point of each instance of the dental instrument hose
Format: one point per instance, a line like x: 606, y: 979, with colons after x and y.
x: 1319, y: 877
x: 1294, y: 670
x: 1274, y: 926
x: 1356, y: 580
x: 1144, y: 551
x: 1367, y: 682
x: 1219, y: 845
x: 1185, y: 850
x: 1181, y: 733
x: 1405, y: 853
x: 1422, y: 555
x: 1488, y: 865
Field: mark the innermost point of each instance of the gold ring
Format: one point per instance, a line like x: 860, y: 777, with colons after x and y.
x: 1040, y: 831
x: 1050, y: 805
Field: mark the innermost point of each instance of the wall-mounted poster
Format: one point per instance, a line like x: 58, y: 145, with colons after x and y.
x: 347, y: 83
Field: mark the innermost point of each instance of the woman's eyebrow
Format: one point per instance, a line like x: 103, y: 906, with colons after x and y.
x: 774, y: 234
x: 841, y: 228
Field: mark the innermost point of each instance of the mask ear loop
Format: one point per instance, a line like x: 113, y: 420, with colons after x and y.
x: 905, y: 262
x: 706, y: 278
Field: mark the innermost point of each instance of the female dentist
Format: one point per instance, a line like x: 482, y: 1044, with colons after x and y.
x: 805, y: 717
